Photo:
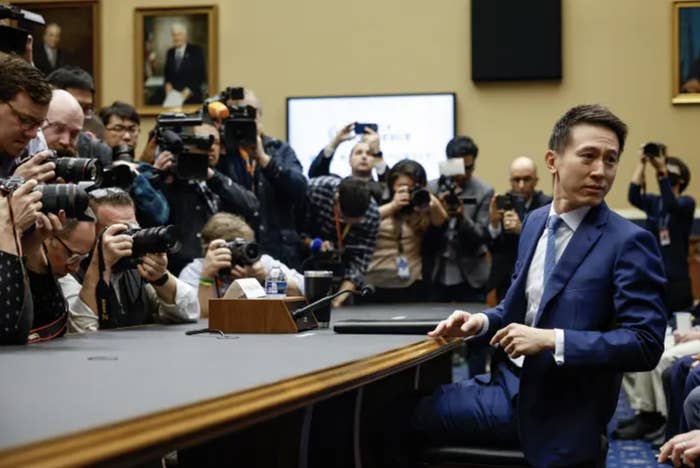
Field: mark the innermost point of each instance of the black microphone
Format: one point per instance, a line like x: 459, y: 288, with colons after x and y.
x: 366, y: 290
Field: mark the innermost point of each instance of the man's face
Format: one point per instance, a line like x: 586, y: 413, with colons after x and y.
x: 107, y: 215
x: 64, y: 124
x: 179, y: 38
x: 20, y: 118
x: 66, y: 252
x: 215, y: 150
x: 85, y: 99
x: 585, y: 171
x: 121, y: 131
x: 361, y: 160
x: 523, y: 181
x: 52, y: 36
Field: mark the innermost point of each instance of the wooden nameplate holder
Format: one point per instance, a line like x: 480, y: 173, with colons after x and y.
x: 260, y: 315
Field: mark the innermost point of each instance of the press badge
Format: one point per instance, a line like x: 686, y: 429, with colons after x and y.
x: 664, y: 237
x: 404, y: 271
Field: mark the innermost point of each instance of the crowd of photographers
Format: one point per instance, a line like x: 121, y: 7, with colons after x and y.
x: 94, y: 236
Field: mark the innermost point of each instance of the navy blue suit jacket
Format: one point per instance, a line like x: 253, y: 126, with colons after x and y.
x: 191, y: 74
x: 606, y: 294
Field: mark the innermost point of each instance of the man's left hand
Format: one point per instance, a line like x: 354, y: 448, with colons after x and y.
x: 511, y: 222
x: 682, y: 449
x: 153, y: 266
x: 520, y: 340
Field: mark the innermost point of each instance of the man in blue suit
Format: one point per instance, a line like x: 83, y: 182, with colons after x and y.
x: 585, y: 305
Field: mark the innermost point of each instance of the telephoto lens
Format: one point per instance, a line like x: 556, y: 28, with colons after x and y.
x: 123, y: 152
x: 154, y: 240
x: 78, y: 169
x: 67, y: 197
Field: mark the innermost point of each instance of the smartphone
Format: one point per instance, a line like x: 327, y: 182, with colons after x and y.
x: 360, y: 127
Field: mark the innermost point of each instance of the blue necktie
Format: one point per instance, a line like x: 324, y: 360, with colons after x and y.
x: 550, y: 255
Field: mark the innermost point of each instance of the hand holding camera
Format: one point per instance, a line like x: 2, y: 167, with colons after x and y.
x: 153, y: 266
x: 115, y: 245
x: 371, y: 137
x: 40, y: 167
x: 26, y: 205
x: 511, y: 222
x: 217, y: 258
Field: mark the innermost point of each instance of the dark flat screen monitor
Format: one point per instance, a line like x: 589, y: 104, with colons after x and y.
x: 516, y: 40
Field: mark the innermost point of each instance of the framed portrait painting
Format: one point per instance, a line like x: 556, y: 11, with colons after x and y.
x: 175, y: 58
x: 71, y: 36
x: 686, y: 52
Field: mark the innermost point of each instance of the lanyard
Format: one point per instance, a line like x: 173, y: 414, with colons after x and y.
x: 249, y: 162
x: 346, y: 229
x: 664, y: 218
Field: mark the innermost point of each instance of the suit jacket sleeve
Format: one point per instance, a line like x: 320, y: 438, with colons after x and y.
x: 320, y: 166
x: 635, y: 343
x: 285, y: 174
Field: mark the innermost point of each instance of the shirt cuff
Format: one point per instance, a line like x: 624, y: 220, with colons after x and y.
x: 559, y: 346
x: 494, y: 232
x: 484, y: 327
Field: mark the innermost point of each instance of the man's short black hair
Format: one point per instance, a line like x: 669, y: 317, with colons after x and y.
x: 684, y: 171
x: 461, y: 146
x: 120, y: 109
x: 71, y: 77
x: 592, y: 114
x: 353, y: 196
x: 16, y: 75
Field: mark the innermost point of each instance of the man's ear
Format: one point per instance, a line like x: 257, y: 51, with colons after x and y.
x: 550, y: 161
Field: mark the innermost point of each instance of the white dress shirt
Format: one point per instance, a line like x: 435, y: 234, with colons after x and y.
x: 534, y: 285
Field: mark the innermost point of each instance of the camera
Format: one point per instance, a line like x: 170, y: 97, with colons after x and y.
x: 123, y: 152
x: 242, y: 253
x: 447, y: 184
x: 73, y: 169
x: 55, y: 197
x: 14, y: 40
x: 161, y: 239
x: 239, y: 126
x: 420, y: 197
x: 652, y: 149
x: 171, y: 137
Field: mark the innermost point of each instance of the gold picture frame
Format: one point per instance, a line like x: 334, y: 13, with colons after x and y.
x: 686, y: 52
x: 171, y: 80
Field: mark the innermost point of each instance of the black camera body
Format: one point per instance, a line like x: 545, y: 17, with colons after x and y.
x: 170, y: 137
x: 239, y: 128
x: 447, y: 184
x: 652, y: 149
x: 420, y: 197
x: 243, y: 253
x: 510, y: 201
x: 55, y: 197
x: 161, y: 239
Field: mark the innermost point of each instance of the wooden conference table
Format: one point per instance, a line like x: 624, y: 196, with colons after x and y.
x: 126, y: 396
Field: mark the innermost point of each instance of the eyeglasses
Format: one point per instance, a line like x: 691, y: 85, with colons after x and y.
x: 27, y: 122
x: 121, y: 129
x: 73, y: 257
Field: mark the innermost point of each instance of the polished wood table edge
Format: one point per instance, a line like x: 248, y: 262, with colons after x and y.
x: 239, y: 409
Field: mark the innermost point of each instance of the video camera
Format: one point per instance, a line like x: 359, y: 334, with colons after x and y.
x: 14, y: 40
x: 239, y: 126
x: 161, y: 239
x: 55, y: 197
x: 170, y: 135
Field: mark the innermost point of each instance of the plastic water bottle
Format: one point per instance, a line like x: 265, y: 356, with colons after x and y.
x: 276, y: 282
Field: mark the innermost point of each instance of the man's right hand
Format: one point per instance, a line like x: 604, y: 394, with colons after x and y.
x: 37, y: 168
x: 460, y: 323
x: 115, y: 245
x: 218, y: 257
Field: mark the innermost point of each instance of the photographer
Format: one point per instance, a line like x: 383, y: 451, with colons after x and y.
x: 193, y: 202
x: 105, y: 296
x: 33, y: 307
x: 395, y: 269
x: 205, y: 273
x: 24, y: 101
x: 270, y: 169
x: 122, y: 135
x: 507, y: 213
x: 456, y: 255
x: 81, y: 86
x: 669, y: 217
x: 364, y: 157
x: 344, y: 215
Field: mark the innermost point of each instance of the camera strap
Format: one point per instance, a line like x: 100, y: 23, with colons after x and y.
x: 340, y: 235
x: 102, y: 291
